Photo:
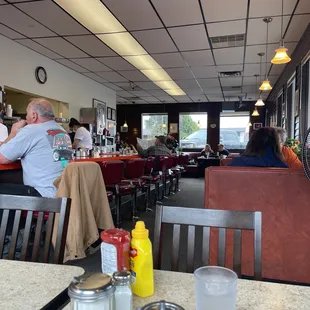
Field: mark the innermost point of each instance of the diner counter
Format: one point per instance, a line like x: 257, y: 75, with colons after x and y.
x: 179, y: 288
x: 17, y: 165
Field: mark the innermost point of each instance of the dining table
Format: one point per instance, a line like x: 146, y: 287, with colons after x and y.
x: 179, y: 288
x: 32, y: 286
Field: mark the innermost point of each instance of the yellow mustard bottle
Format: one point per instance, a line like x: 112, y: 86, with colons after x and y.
x: 141, y: 261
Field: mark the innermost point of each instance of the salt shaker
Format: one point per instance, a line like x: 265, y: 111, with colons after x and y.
x: 123, y: 294
x: 93, y: 292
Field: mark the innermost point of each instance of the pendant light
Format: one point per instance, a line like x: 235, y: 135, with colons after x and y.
x: 164, y: 123
x: 255, y: 112
x: 266, y: 84
x: 281, y: 56
x: 125, y: 123
x: 259, y: 102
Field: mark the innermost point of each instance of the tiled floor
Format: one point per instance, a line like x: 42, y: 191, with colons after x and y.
x: 191, y: 195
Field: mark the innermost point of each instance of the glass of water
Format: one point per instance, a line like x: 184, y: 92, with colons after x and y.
x: 215, y: 288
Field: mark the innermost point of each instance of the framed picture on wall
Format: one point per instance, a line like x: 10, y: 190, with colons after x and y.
x: 113, y: 115
x: 109, y: 113
x: 257, y: 126
x: 100, y: 115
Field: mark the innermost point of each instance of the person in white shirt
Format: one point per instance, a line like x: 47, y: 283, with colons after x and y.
x: 82, y: 138
x: 3, y: 132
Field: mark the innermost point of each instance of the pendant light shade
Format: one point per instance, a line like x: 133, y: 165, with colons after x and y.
x: 265, y: 85
x: 259, y: 102
x: 281, y: 56
x: 164, y: 124
x: 125, y: 124
x: 255, y: 112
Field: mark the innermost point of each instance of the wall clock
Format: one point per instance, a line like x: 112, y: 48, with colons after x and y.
x: 41, y: 75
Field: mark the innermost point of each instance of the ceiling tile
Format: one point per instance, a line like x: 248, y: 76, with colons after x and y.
x: 215, y: 98
x: 276, y: 69
x: 112, y: 86
x: 257, y: 30
x: 116, y: 63
x: 112, y: 76
x: 3, y: 2
x: 178, y: 12
x: 52, y: 16
x: 124, y: 94
x: 249, y: 89
x: 134, y: 75
x: 95, y: 77
x: 39, y: 48
x: 72, y: 65
x: 91, y: 45
x: 297, y: 27
x: 139, y: 101
x: 180, y: 73
x: 155, y: 41
x: 134, y: 14
x: 147, y: 85
x: 205, y: 72
x: 169, y: 60
x: 250, y: 81
x: 151, y: 99
x: 140, y: 93
x: 190, y: 37
x: 187, y: 84
x: 62, y: 47
x: 157, y: 92
x: 17, y: 20
x: 212, y: 90
x: 182, y: 99
x: 91, y: 64
x: 230, y: 68
x: 251, y: 52
x: 199, y: 58
x: 226, y: 28
x: 252, y: 69
x: 10, y: 33
x: 231, y: 81
x: 232, y: 55
x: 263, y: 8
x: 214, y: 10
x: 198, y: 98
x: 194, y: 91
x: 166, y: 99
x: 303, y: 7
x: 207, y: 83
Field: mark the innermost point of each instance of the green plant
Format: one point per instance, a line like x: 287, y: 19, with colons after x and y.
x: 180, y: 149
x: 295, y: 145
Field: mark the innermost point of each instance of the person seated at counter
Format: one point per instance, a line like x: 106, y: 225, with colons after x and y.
x: 207, y: 151
x: 290, y: 157
x: 159, y: 148
x: 263, y: 150
x: 222, y: 151
x: 82, y: 137
x: 35, y: 141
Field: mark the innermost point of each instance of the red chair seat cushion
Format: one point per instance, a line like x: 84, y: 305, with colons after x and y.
x: 124, y: 189
x: 151, y: 178
x: 136, y: 182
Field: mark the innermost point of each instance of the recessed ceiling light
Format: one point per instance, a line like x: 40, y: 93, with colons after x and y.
x: 98, y: 19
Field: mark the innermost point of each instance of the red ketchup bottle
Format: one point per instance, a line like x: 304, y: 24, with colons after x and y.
x: 115, y: 250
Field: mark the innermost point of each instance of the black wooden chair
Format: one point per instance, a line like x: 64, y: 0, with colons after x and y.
x: 222, y: 219
x: 18, y: 204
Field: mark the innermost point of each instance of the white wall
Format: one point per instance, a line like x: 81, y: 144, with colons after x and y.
x: 17, y: 70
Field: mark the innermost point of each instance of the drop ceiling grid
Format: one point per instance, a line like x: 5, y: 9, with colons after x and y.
x: 157, y: 19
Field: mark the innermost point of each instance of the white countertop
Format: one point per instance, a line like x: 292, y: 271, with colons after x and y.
x: 251, y: 295
x: 30, y: 286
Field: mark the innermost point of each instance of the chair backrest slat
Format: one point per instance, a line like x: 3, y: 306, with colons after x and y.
x: 205, y: 245
x: 26, y: 235
x: 221, y: 247
x: 3, y: 227
x: 221, y: 219
x: 48, y: 237
x: 190, y: 248
x: 237, y: 251
x: 17, y: 217
x: 175, y: 247
x: 37, y: 237
x: 38, y: 205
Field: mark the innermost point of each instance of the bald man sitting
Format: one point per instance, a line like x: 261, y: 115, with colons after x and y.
x: 41, y: 144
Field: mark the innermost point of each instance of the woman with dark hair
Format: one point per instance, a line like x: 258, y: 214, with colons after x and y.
x: 263, y: 150
x: 82, y: 138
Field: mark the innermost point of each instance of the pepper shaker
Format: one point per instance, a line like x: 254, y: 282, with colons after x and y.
x: 123, y: 294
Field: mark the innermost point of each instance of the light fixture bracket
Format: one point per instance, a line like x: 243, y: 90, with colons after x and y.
x: 267, y: 19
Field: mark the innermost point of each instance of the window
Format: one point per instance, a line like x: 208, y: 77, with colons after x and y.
x: 234, y: 129
x: 193, y: 130
x: 154, y: 125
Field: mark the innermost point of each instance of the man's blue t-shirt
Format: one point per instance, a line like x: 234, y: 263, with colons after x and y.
x: 41, y: 148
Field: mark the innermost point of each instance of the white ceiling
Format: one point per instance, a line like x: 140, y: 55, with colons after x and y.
x: 177, y: 35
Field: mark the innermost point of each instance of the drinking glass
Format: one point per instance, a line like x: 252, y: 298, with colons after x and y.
x: 215, y: 288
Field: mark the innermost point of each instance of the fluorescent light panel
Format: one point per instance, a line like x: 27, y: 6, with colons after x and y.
x: 98, y: 19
